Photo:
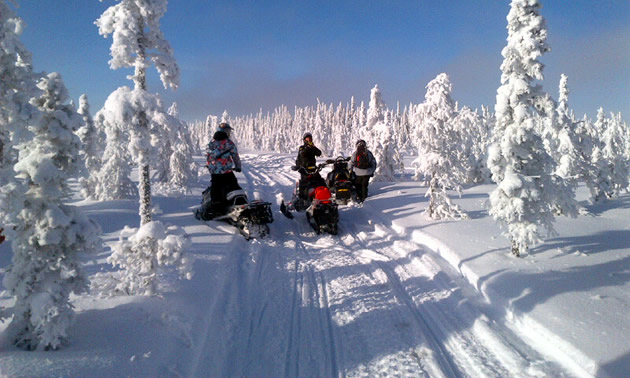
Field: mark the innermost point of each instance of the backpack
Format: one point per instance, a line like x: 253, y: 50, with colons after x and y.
x: 363, y: 160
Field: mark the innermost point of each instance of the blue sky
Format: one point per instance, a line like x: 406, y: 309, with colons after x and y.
x: 241, y: 55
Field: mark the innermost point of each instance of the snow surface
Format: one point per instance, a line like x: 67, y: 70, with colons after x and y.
x: 394, y: 294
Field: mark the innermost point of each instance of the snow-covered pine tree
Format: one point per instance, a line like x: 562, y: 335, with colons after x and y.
x: 50, y: 235
x: 614, y: 154
x: 588, y: 160
x: 362, y: 120
x: 599, y: 179
x: 91, y: 149
x: 399, y: 133
x: 17, y: 86
x: 525, y: 198
x: 321, y: 130
x: 557, y: 132
x: 378, y: 135
x: 182, y: 168
x: 113, y: 180
x: 137, y: 43
x: 225, y: 116
x: 472, y: 153
x: 210, y: 126
x: 437, y: 144
x: 376, y: 107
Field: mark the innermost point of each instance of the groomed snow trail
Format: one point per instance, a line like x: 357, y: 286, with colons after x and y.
x: 368, y: 302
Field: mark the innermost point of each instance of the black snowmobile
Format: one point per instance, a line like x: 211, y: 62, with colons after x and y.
x: 340, y: 180
x: 312, y: 196
x: 250, y: 218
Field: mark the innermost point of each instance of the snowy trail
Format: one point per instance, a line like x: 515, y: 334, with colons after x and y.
x: 366, y: 302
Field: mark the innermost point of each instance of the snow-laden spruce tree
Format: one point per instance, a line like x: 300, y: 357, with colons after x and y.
x: 138, y: 43
x: 599, y: 177
x: 17, y: 86
x: 557, y: 132
x: 526, y: 194
x: 49, y: 236
x: 91, y: 148
x: 589, y: 161
x: 379, y: 137
x: 371, y: 127
x: 438, y: 155
x: 472, y: 153
x: 376, y: 107
x: 558, y: 139
x: 113, y: 180
x: 580, y: 160
x: 384, y: 151
x: 182, y: 168
x: 613, y: 152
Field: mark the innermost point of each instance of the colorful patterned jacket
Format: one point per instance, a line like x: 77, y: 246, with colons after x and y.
x: 222, y: 155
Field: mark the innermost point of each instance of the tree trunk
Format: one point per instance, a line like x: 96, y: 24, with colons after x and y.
x: 140, y: 81
x: 145, y: 195
x: 432, y: 197
x: 515, y: 249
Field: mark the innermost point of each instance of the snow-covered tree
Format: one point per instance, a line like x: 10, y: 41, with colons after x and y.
x: 91, y: 148
x: 138, y: 42
x: 113, y: 180
x: 526, y: 195
x: 376, y: 107
x: 378, y: 134
x: 17, y: 86
x: 384, y: 152
x: 182, y: 168
x: 614, y: 154
x: 474, y: 133
x: 437, y: 143
x: 225, y: 117
x: 140, y: 252
x: 50, y: 235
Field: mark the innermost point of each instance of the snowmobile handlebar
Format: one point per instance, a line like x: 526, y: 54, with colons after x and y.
x: 318, y: 168
x: 338, y: 159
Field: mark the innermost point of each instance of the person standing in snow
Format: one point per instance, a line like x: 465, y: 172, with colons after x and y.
x: 306, y: 164
x: 363, y: 164
x: 222, y: 160
x: 307, y: 153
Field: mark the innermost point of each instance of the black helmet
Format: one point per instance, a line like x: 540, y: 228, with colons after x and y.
x: 307, y: 135
x: 361, y: 143
x: 225, y: 126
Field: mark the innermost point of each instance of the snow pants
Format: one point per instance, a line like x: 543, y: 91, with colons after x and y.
x: 220, y: 186
x: 361, y: 184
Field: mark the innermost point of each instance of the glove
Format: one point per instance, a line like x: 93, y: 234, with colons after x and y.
x: 237, y: 169
x: 294, y: 168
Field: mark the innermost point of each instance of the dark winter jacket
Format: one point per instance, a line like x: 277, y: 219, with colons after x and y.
x: 360, y: 171
x: 222, y: 155
x: 306, y: 156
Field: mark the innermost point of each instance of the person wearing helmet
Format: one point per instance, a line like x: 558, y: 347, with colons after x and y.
x: 222, y: 160
x: 307, y: 153
x: 306, y: 164
x: 363, y: 164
